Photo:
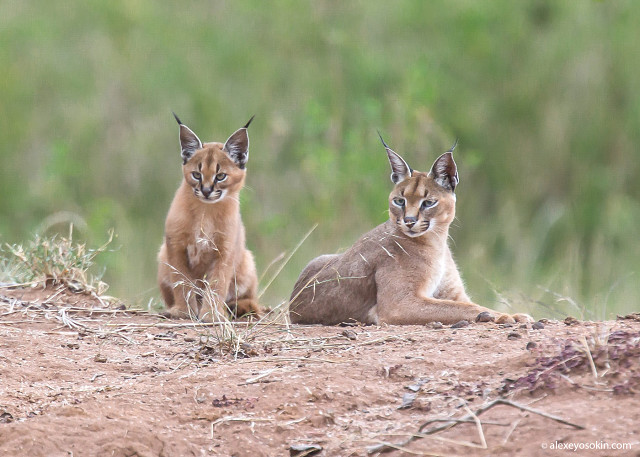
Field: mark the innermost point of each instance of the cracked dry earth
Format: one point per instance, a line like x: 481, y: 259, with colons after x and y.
x: 79, y: 379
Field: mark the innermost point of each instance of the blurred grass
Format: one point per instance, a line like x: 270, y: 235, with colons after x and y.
x: 544, y: 96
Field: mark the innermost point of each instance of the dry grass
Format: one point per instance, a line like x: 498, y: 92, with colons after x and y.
x: 222, y: 338
x: 53, y: 261
x: 218, y: 331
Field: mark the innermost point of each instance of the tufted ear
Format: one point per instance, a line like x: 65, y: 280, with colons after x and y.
x: 237, y: 146
x: 444, y: 170
x: 399, y: 168
x: 189, y: 141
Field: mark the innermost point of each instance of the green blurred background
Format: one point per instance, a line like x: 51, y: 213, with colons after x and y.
x: 544, y: 96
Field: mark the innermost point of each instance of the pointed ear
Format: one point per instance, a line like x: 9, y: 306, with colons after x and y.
x: 445, y: 172
x: 237, y: 146
x: 189, y: 141
x: 399, y: 168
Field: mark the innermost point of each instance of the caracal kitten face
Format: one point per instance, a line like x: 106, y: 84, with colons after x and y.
x: 203, y: 265
x: 401, y: 272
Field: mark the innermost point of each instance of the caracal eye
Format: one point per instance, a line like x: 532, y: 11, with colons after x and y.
x: 221, y: 177
x: 399, y: 202
x: 428, y: 203
x: 197, y: 176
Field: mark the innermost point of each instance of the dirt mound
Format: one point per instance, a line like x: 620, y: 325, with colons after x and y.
x: 80, y: 378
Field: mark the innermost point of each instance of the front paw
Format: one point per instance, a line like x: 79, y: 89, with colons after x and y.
x: 174, y: 313
x: 502, y: 318
x: 248, y: 308
x: 523, y: 318
x: 514, y: 318
x: 209, y: 314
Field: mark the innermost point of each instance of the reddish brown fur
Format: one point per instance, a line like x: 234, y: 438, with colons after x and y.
x: 204, y: 244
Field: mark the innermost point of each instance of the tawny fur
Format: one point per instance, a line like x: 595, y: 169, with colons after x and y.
x: 204, y: 243
x: 401, y: 272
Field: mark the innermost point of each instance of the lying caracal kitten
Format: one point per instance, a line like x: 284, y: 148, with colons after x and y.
x: 401, y: 272
x: 204, y: 243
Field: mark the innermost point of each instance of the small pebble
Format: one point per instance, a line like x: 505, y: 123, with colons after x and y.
x: 349, y: 334
x: 299, y: 450
x: 531, y: 345
x: 514, y: 336
x: 485, y: 316
x: 248, y: 349
x: 570, y: 320
x: 407, y: 400
x: 460, y: 324
x: 436, y: 325
x: 537, y: 325
x: 5, y: 418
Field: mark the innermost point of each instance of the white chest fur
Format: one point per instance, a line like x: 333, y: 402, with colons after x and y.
x: 203, y: 244
x: 434, y: 277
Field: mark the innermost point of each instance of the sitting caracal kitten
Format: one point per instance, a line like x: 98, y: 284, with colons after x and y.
x: 204, y: 242
x: 401, y: 272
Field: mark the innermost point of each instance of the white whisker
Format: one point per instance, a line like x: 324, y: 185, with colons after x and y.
x: 403, y: 250
x: 385, y: 250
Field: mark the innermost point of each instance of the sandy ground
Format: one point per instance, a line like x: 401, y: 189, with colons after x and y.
x: 81, y: 379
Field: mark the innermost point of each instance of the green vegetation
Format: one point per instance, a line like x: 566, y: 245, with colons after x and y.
x: 544, y: 96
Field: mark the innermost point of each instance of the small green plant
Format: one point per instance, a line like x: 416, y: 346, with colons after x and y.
x: 53, y: 261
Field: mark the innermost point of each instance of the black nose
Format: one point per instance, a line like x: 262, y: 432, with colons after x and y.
x: 206, y: 191
x: 410, y: 221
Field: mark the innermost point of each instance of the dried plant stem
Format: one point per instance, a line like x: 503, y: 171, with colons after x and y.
x: 398, y: 447
x: 483, y: 441
x: 237, y: 419
x: 275, y: 275
x: 277, y: 359
x: 188, y: 324
x: 272, y: 263
x: 594, y: 372
x: 386, y: 447
x: 538, y: 412
x: 582, y: 386
x: 511, y: 430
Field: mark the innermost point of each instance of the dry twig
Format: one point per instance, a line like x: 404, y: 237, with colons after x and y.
x: 386, y: 447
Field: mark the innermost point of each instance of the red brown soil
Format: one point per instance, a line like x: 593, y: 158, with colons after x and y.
x: 120, y: 383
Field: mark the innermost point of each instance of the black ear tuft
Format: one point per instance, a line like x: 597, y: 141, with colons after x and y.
x: 454, y: 146
x: 445, y: 172
x: 382, y: 139
x: 249, y: 123
x: 237, y: 146
x: 189, y: 141
x: 400, y: 170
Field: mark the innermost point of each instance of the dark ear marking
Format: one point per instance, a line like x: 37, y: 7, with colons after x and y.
x: 400, y: 170
x: 454, y: 146
x: 237, y: 146
x: 249, y: 123
x: 445, y: 172
x: 189, y: 141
